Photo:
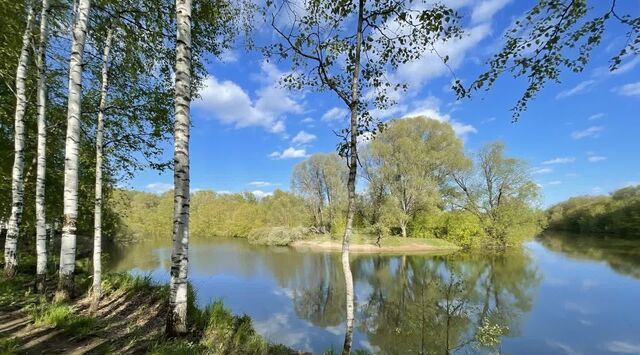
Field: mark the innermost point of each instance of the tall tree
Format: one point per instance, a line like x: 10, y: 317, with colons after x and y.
x: 70, y: 217
x: 177, y: 317
x: 416, y: 157
x: 555, y: 35
x: 17, y: 183
x: 499, y: 191
x: 41, y: 229
x: 346, y: 47
x: 97, y: 232
x: 321, y: 180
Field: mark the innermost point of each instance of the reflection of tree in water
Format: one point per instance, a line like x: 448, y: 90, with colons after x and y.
x: 623, y: 255
x: 439, y: 305
x: 320, y: 300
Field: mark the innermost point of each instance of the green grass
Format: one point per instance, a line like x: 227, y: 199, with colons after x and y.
x: 8, y: 346
x: 61, y: 316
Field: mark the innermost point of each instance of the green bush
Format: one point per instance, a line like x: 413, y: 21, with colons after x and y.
x: 461, y: 228
x: 277, y: 236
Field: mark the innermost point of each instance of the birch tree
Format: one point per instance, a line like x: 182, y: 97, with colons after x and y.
x: 347, y: 47
x: 17, y: 183
x: 41, y: 98
x: 97, y: 232
x: 177, y: 317
x: 68, y: 243
x: 558, y: 35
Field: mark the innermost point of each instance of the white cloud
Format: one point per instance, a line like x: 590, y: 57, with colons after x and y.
x: 289, y: 153
x: 430, y: 108
x: 229, y: 56
x: 596, y: 158
x: 625, y: 67
x: 334, y: 114
x: 622, y: 347
x: 416, y: 73
x: 260, y: 183
x: 592, y: 131
x: 554, y: 182
x: 582, y: 87
x: 596, y: 116
x: 537, y: 171
x: 259, y: 194
x: 632, y: 89
x: 303, y: 137
x: 158, y: 187
x: 486, y: 9
x: 559, y: 161
x: 227, y: 102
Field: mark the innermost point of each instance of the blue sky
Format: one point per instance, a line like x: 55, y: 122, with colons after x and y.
x: 579, y: 137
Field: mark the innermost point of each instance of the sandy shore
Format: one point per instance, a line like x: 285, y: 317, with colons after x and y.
x: 356, y: 247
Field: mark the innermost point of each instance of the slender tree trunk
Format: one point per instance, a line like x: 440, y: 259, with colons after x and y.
x: 41, y: 220
x: 177, y: 317
x: 97, y: 221
x: 17, y: 184
x: 351, y: 183
x: 70, y: 197
x: 403, y: 228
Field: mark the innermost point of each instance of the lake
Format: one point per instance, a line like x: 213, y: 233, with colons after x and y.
x: 556, y: 296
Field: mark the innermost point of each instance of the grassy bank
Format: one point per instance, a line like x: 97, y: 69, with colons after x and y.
x: 303, y: 238
x: 130, y: 319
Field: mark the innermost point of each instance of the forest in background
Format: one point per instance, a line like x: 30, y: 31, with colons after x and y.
x: 616, y: 214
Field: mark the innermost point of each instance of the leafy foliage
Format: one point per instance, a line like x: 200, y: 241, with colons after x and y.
x: 618, y: 213
x: 556, y: 35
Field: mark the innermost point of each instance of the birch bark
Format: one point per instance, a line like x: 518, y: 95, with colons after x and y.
x: 41, y: 102
x: 70, y: 196
x: 97, y: 226
x: 17, y: 183
x: 351, y: 182
x: 177, y: 317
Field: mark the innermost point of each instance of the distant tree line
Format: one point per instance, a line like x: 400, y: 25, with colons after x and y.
x: 617, y: 213
x: 419, y: 183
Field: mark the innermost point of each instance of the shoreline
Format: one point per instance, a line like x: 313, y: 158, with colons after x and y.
x: 413, y: 245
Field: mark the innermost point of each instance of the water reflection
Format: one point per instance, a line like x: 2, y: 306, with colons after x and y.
x: 623, y: 255
x: 408, y: 304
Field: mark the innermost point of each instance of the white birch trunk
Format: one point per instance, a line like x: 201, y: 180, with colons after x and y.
x: 351, y: 183
x: 17, y: 183
x: 41, y: 228
x: 97, y: 224
x: 70, y: 197
x: 177, y: 317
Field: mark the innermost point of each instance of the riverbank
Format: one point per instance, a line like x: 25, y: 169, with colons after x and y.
x: 363, y: 244
x: 304, y: 238
x: 130, y: 319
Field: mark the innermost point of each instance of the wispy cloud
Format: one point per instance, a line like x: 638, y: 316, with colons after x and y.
x: 259, y: 194
x: 592, y: 131
x: 335, y: 114
x: 303, y: 137
x: 554, y: 182
x: 622, y: 347
x: 260, y: 183
x: 537, y: 171
x: 559, y: 161
x: 596, y: 116
x: 632, y: 89
x: 596, y: 158
x: 289, y: 153
x: 158, y: 187
x: 582, y: 87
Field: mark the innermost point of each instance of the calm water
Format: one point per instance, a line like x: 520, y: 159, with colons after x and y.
x: 554, y: 297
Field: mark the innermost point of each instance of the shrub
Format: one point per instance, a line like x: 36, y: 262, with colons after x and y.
x: 278, y: 236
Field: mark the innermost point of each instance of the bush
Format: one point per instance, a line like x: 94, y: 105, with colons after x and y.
x: 276, y: 236
x: 461, y: 228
